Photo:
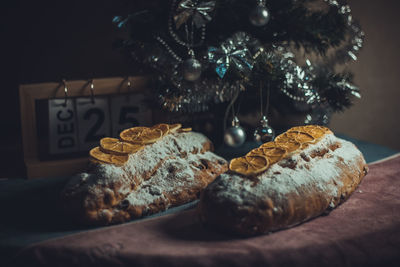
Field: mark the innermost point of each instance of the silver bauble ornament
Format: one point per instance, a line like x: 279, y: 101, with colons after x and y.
x: 191, y: 69
x: 259, y: 16
x: 264, y: 133
x: 235, y: 136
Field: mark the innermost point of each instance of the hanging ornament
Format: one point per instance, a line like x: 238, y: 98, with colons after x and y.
x: 232, y: 53
x: 200, y: 12
x: 319, y: 116
x: 235, y: 136
x: 177, y: 93
x: 259, y: 16
x: 264, y: 133
x: 191, y: 69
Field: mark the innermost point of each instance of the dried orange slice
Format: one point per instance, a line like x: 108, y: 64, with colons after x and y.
x: 141, y: 135
x: 249, y: 165
x: 118, y: 147
x: 150, y: 136
x: 163, y: 127
x: 315, y: 131
x: 271, y: 150
x: 129, y: 134
x: 301, y: 137
x: 184, y: 130
x: 147, y: 136
x: 99, y: 155
x: 288, y: 143
x: 174, y: 127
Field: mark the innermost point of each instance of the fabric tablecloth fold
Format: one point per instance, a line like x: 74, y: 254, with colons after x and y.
x: 363, y: 231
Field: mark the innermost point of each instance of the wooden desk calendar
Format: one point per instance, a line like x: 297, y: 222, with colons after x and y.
x: 61, y: 122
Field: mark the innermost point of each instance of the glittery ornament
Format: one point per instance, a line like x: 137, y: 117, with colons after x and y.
x: 235, y: 136
x: 264, y: 133
x: 234, y: 52
x: 191, y: 69
x: 301, y: 87
x: 259, y: 16
x: 319, y: 116
x: 199, y: 12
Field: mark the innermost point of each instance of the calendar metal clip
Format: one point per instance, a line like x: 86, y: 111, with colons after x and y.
x: 129, y: 84
x: 65, y: 92
x: 92, y: 91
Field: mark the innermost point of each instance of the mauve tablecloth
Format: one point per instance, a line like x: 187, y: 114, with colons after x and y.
x: 364, y: 231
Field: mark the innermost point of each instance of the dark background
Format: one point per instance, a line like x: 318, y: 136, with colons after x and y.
x: 45, y: 41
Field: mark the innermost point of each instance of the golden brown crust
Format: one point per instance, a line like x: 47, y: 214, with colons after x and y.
x: 275, y: 200
x: 96, y: 197
x: 204, y: 173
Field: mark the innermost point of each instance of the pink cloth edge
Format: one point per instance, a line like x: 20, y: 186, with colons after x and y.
x: 164, y: 218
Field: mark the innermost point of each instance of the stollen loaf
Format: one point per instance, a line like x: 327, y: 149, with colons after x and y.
x: 168, y: 171
x: 309, y: 171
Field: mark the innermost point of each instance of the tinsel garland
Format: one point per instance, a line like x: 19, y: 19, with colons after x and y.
x: 237, y: 56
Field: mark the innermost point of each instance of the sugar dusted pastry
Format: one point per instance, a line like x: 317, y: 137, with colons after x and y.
x: 146, y: 171
x: 303, y: 173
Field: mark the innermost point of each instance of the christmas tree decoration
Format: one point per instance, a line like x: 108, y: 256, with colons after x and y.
x: 233, y: 52
x: 191, y: 69
x: 259, y: 16
x: 201, y: 53
x: 264, y: 133
x: 199, y: 12
x: 235, y: 136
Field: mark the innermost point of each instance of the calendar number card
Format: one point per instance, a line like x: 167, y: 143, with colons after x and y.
x: 62, y: 130
x: 93, y: 116
x: 60, y: 126
x: 128, y: 111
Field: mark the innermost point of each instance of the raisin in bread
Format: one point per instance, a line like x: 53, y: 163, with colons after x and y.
x: 169, y: 172
x: 310, y: 171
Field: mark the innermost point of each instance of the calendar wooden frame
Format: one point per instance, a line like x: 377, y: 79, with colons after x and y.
x: 29, y: 93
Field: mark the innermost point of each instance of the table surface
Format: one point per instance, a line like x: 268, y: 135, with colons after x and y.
x: 30, y: 212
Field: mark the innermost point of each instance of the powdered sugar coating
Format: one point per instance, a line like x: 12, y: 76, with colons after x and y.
x: 139, y: 166
x: 147, y: 158
x: 166, y: 182
x: 280, y: 180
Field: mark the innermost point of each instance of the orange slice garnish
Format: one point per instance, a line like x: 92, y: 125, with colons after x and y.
x: 163, y: 127
x: 174, y: 127
x: 184, y: 130
x: 129, y: 134
x: 315, y: 131
x: 271, y: 150
x: 118, y: 147
x: 148, y: 136
x: 288, y: 143
x: 143, y: 135
x: 249, y: 165
x: 301, y: 137
x: 99, y: 155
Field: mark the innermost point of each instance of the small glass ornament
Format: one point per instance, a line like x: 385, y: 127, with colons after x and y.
x: 260, y: 15
x: 191, y: 69
x: 264, y: 133
x: 235, y: 136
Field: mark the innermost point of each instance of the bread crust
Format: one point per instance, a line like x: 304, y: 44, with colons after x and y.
x: 108, y: 194
x: 299, y: 187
